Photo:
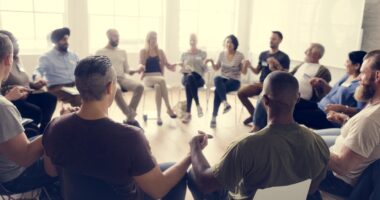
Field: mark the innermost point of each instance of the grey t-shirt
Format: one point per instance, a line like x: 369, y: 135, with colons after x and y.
x: 231, y: 69
x: 195, y: 61
x: 10, y: 126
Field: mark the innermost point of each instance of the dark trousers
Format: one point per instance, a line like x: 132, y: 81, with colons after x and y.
x: 192, y: 82
x: 39, y: 107
x: 308, y: 113
x: 222, y: 87
x: 197, y: 194
x: 34, y: 177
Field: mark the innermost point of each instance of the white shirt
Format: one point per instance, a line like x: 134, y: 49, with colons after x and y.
x: 303, y: 75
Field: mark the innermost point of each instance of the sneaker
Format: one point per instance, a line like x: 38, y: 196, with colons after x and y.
x: 159, y: 122
x: 213, y: 123
x: 133, y: 123
x: 248, y: 121
x: 200, y: 111
x: 186, y: 118
x: 227, y: 108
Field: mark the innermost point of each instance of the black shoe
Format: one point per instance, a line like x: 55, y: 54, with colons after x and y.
x: 248, y: 121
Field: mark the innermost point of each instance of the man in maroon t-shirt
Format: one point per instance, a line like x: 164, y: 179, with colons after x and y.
x: 89, y: 144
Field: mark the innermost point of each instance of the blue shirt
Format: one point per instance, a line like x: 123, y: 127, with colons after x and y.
x: 57, y: 67
x: 343, y: 95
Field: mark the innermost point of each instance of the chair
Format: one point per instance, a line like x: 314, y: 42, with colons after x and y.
x: 146, y: 89
x: 297, y: 191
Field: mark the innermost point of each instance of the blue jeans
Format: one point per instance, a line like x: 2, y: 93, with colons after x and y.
x: 260, y: 116
x: 329, y: 135
x: 192, y: 82
x: 222, y: 87
x: 368, y: 186
x: 198, y: 195
x: 178, y: 191
x: 34, y: 177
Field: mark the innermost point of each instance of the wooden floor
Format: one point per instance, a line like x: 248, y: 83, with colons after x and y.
x: 169, y: 142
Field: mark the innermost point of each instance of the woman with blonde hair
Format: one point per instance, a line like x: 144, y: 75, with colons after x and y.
x: 153, y: 62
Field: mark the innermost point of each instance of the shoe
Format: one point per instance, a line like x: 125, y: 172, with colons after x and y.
x: 200, y: 111
x: 159, y: 122
x: 186, y: 118
x: 172, y: 114
x: 133, y: 123
x: 227, y: 108
x: 248, y: 121
x: 213, y: 123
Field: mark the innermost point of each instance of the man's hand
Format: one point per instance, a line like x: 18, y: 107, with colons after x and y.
x: 273, y: 63
x: 199, y: 142
x: 38, y: 84
x: 68, y: 109
x: 338, y: 118
x: 16, y: 93
x: 335, y: 107
x: 318, y: 82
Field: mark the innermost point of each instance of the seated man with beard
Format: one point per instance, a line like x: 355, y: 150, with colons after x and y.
x: 358, y: 144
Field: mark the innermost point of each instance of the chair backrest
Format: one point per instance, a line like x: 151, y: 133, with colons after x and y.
x: 297, y: 191
x: 77, y: 186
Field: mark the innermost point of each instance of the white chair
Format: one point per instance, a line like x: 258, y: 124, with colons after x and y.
x: 147, y: 89
x: 297, y: 191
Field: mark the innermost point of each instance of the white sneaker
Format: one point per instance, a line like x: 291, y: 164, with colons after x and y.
x: 186, y: 118
x: 200, y: 111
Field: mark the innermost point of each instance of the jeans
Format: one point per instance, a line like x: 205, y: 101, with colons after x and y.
x: 192, y: 82
x: 198, y: 195
x: 368, y: 186
x: 260, y: 116
x: 222, y: 87
x: 178, y: 192
x: 328, y: 135
x: 34, y: 177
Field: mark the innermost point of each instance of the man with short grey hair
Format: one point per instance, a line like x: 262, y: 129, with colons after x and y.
x: 116, y: 155
x: 119, y: 61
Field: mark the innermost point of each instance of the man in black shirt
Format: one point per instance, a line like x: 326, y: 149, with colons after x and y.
x: 269, y: 61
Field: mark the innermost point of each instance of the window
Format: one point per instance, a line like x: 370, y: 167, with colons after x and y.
x: 31, y: 21
x: 211, y: 20
x: 132, y: 18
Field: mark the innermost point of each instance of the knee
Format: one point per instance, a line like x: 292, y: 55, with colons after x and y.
x: 217, y: 80
x: 157, y: 87
x: 241, y: 94
x: 139, y: 88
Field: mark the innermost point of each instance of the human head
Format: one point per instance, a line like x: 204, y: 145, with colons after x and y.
x: 14, y: 43
x: 314, y: 53
x: 280, y: 92
x: 95, y: 79
x: 113, y: 37
x: 369, y: 77
x: 193, y: 41
x: 231, y: 42
x: 6, y: 57
x: 151, y: 40
x: 275, y: 39
x: 60, y: 37
x: 354, y: 62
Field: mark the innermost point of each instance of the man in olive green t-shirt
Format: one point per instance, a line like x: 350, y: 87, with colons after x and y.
x: 282, y: 153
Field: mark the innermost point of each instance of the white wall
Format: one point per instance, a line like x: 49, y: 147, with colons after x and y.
x: 77, y: 20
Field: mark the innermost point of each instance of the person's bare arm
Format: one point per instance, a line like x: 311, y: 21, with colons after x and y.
x: 345, y: 162
x: 317, y: 181
x: 156, y: 183
x: 22, y: 151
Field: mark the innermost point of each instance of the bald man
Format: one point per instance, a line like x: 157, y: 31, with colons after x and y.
x: 282, y: 153
x: 119, y: 61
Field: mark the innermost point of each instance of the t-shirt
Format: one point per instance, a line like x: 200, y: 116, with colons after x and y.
x: 231, y: 69
x: 277, y: 155
x: 361, y: 134
x: 101, y: 149
x: 195, y: 61
x: 280, y: 56
x: 303, y: 76
x: 118, y: 58
x: 10, y: 127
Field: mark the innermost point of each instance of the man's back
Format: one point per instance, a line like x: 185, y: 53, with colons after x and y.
x: 275, y: 156
x: 101, y: 149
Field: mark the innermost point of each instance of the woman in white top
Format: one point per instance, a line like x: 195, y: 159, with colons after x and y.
x: 153, y: 61
x: 193, y: 68
x: 230, y: 62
